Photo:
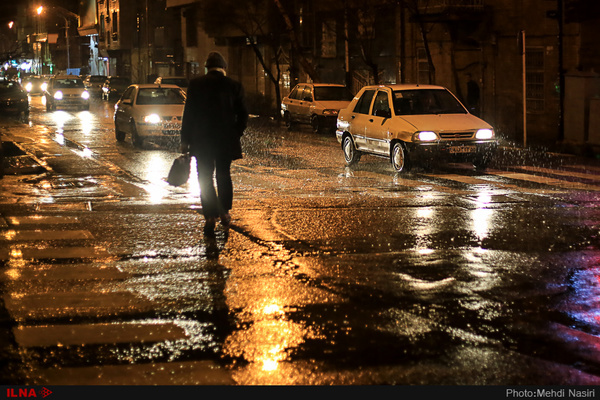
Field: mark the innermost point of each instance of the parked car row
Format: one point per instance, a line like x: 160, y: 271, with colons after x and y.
x: 408, y: 124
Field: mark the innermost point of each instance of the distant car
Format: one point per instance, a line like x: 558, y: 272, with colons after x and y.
x: 13, y: 98
x: 93, y: 84
x: 180, y: 81
x: 411, y: 123
x: 66, y: 91
x: 114, y: 86
x: 149, y: 111
x: 34, y: 84
x: 315, y: 104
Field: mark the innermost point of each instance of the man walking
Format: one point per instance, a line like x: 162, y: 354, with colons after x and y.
x: 214, y: 120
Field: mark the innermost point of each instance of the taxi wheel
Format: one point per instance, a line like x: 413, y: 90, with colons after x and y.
x: 351, y: 155
x: 137, y: 141
x: 399, y: 158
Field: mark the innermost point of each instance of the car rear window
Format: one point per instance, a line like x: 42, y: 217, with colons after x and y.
x: 10, y: 87
x: 332, y: 93
x: 160, y: 96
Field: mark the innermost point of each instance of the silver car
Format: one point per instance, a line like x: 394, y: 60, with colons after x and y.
x: 149, y: 111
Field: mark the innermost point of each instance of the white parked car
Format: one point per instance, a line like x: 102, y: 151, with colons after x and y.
x: 149, y: 111
x: 316, y: 104
x: 413, y: 123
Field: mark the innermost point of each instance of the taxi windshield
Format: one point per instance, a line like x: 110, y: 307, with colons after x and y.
x: 426, y: 101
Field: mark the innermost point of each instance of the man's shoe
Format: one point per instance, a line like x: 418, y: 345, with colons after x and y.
x: 225, y: 219
x: 209, y: 226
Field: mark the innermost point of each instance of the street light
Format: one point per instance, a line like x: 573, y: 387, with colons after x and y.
x: 37, y: 45
x: 65, y: 14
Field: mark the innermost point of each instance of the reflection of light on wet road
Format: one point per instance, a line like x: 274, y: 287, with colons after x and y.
x: 87, y: 120
x: 60, y: 138
x: 60, y: 118
x: 424, y: 227
x: 270, y: 337
x: 154, y: 173
x: 482, y: 216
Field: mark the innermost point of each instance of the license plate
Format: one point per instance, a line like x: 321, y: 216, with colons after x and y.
x: 461, y: 149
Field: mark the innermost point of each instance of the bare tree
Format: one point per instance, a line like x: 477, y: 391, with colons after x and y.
x: 414, y: 7
x: 253, y: 21
x: 306, y: 65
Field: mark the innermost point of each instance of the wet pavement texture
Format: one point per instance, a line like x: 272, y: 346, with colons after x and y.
x: 328, y: 275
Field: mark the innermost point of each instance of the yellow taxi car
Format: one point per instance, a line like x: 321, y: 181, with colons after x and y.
x: 409, y: 124
x: 316, y: 104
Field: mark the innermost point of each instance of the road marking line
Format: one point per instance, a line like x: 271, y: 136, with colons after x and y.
x: 85, y: 334
x: 561, y: 173
x: 29, y: 235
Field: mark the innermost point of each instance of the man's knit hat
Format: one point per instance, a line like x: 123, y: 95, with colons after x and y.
x: 215, y: 60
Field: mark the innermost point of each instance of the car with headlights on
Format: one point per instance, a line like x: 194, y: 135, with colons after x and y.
x: 114, y: 86
x: 93, y: 84
x: 66, y: 91
x: 412, y: 124
x: 13, y: 98
x: 316, y: 104
x: 149, y: 111
x: 34, y: 84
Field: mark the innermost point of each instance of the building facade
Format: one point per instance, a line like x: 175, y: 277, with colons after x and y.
x: 527, y: 67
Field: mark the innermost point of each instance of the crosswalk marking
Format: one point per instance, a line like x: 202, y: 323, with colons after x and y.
x: 24, y: 306
x: 56, y: 253
x: 41, y: 219
x: 29, y: 235
x: 203, y: 372
x: 573, y: 174
x: 86, y: 334
x: 545, y: 180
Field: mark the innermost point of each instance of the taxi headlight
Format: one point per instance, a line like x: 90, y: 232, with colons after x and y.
x: 44, y: 86
x: 29, y: 86
x: 58, y: 95
x: 85, y: 95
x: 426, y: 136
x: 152, y: 119
x: 484, y: 134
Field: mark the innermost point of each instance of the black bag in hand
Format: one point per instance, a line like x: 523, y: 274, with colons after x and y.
x: 180, y: 170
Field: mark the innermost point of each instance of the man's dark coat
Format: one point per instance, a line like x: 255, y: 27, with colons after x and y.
x: 214, y: 117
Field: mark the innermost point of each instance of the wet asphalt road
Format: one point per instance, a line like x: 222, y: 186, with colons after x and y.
x: 328, y: 276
